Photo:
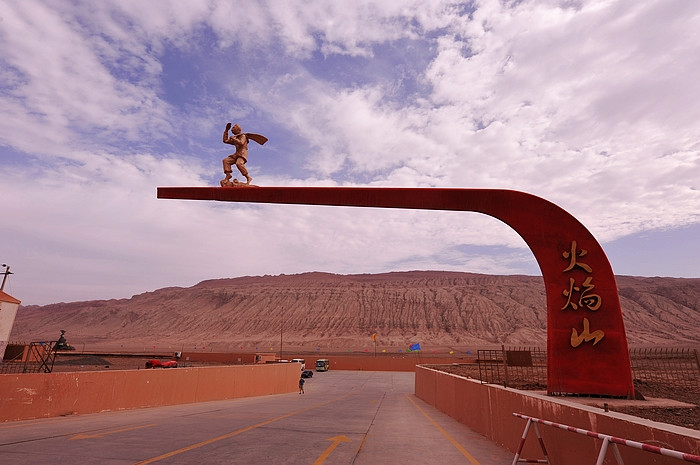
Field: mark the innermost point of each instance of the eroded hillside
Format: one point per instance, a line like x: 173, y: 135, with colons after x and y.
x: 338, y: 312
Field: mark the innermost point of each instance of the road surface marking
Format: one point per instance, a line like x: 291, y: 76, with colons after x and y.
x: 99, y: 435
x: 234, y: 433
x: 336, y: 441
x: 464, y: 452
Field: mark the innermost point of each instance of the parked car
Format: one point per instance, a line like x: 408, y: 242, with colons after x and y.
x: 300, y: 360
x: 307, y: 374
x: 161, y: 364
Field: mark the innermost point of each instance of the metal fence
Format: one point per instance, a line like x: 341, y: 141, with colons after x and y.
x: 526, y: 367
x: 519, y: 367
x: 675, y: 367
x: 39, y: 358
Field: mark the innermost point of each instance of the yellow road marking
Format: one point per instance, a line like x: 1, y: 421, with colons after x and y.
x: 99, y: 435
x: 336, y: 441
x: 16, y: 425
x: 459, y: 447
x: 33, y: 422
x: 233, y: 433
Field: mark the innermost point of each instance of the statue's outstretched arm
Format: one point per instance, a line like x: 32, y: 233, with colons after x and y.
x: 225, y: 138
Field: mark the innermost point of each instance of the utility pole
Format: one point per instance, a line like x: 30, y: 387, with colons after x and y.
x: 4, y: 278
x: 281, y: 326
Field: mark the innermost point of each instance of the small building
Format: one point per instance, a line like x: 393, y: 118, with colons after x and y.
x: 8, y: 312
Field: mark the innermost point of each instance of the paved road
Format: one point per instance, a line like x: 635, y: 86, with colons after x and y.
x: 345, y: 417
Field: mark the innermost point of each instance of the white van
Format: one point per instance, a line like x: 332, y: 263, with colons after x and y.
x: 322, y: 364
x: 300, y: 360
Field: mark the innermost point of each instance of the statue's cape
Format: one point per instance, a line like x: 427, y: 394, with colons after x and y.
x: 256, y: 137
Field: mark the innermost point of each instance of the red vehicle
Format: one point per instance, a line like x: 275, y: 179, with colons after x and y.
x: 161, y: 364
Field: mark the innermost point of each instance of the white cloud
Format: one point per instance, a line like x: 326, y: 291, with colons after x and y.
x: 568, y: 97
x: 68, y: 91
x: 588, y: 104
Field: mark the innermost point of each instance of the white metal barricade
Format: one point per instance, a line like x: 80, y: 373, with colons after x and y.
x: 607, y: 440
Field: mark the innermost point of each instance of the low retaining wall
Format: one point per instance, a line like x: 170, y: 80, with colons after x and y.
x: 43, y: 395
x: 488, y: 409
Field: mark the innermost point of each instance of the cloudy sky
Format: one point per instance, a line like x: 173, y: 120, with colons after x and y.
x: 592, y: 105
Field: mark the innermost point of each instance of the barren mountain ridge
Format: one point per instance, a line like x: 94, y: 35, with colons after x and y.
x: 435, y: 308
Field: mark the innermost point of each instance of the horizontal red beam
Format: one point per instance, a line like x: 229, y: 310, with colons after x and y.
x: 481, y: 200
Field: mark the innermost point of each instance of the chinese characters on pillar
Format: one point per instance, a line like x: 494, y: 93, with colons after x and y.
x: 579, y: 295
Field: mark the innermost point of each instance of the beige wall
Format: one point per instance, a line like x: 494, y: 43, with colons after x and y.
x: 42, y: 395
x: 488, y: 410
x: 8, y: 311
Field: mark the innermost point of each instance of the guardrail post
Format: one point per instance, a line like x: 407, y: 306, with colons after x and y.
x: 604, y: 451
x: 517, y: 458
x: 604, y: 447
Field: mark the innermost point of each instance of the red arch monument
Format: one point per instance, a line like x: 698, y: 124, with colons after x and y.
x: 586, y: 343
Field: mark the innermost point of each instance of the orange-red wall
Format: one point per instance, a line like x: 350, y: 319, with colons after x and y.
x: 384, y: 362
x: 42, y: 395
x: 225, y: 357
x: 367, y: 362
x: 488, y: 410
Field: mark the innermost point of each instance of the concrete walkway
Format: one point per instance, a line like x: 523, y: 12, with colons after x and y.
x: 344, y: 417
